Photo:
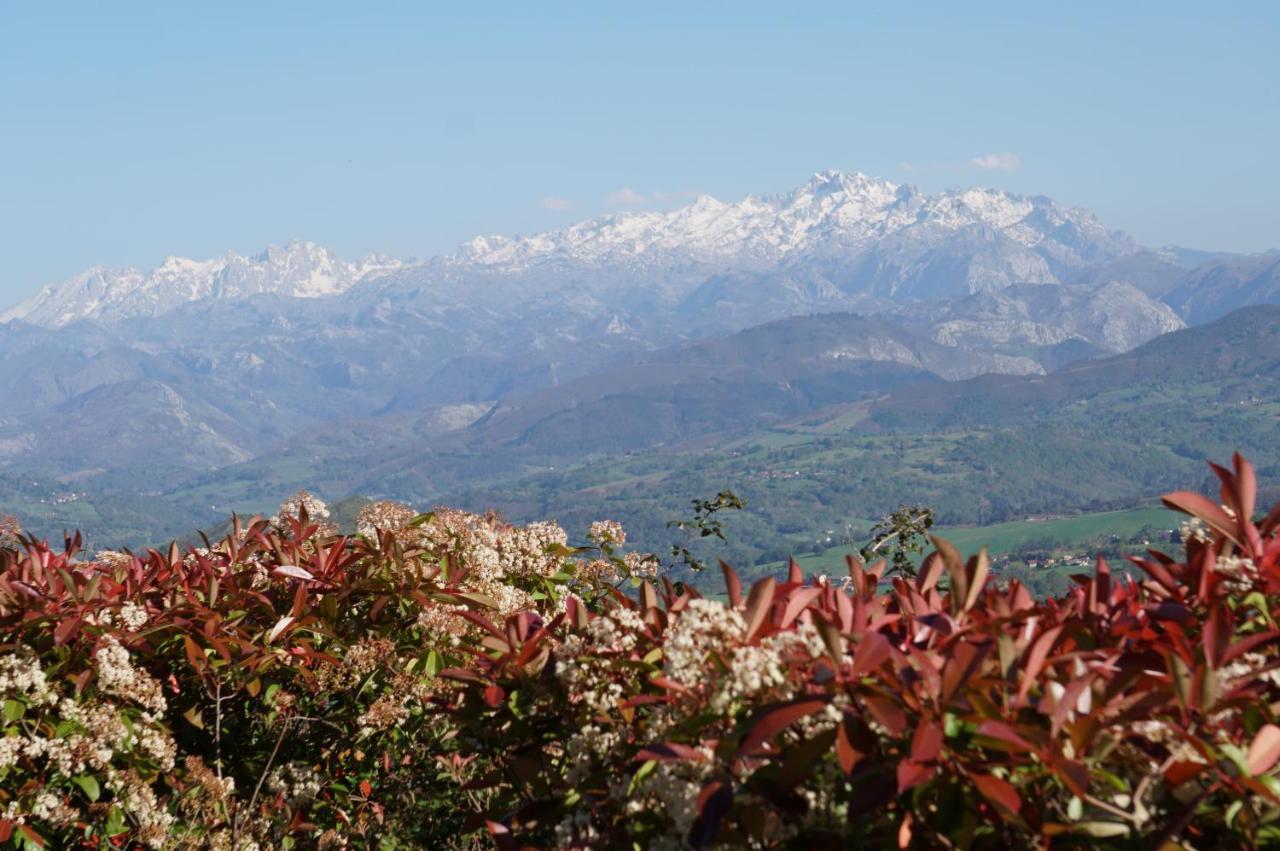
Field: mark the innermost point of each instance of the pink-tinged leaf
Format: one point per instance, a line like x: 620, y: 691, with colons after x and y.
x: 501, y: 835
x: 912, y: 774
x: 926, y: 744
x: 1198, y: 506
x: 670, y: 752
x: 733, y: 585
x: 481, y: 622
x: 281, y: 626
x: 966, y: 659
x: 904, y: 832
x: 1002, y: 732
x: 668, y: 684
x: 293, y: 572
x: 799, y: 600
x: 1246, y: 488
x: 1249, y: 643
x: 930, y: 572
x: 977, y: 568
x: 1218, y: 629
x: 1036, y: 657
x: 714, y: 801
x: 1265, y: 750
x: 955, y: 567
x: 758, y: 603
x: 886, y: 713
x: 1180, y: 772
x: 852, y: 744
x: 872, y: 652
x: 462, y: 675
x: 794, y: 573
x: 775, y: 720
x: 1074, y: 774
x: 998, y: 792
x: 494, y: 695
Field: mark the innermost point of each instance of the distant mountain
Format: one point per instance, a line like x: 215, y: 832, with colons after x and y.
x: 704, y: 321
x: 1221, y: 286
x: 299, y: 270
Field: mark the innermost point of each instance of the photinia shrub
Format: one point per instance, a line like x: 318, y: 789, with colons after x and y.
x: 451, y: 680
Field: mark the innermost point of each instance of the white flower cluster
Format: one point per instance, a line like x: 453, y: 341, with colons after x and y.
x: 672, y: 789
x: 607, y: 532
x: 118, y: 678
x: 1194, y: 529
x: 1241, y: 574
x: 385, y: 517
x: 292, y: 507
x: 583, y: 662
x: 297, y: 782
x: 19, y: 676
x: 702, y: 628
x: 586, y: 748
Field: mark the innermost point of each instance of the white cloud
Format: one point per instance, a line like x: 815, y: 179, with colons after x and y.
x: 626, y: 197
x: 1004, y: 161
x: 557, y: 204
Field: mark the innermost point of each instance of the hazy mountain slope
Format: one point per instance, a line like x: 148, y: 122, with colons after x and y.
x: 1222, y: 286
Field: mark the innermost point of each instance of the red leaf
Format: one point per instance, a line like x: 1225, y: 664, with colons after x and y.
x: 1035, y: 660
x: 912, y: 774
x: 669, y: 752
x: 732, y: 584
x: 1074, y: 774
x: 775, y: 720
x: 998, y: 792
x: 930, y: 572
x: 872, y: 652
x: 886, y: 714
x: 194, y: 654
x: 714, y: 801
x: 1001, y: 731
x: 1246, y: 488
x: 758, y: 603
x: 1198, y: 506
x: 493, y: 695
x: 365, y: 788
x: 849, y: 751
x: 926, y: 744
x: 1265, y: 749
x: 796, y: 604
x: 794, y: 573
x: 65, y: 629
x: 1181, y: 772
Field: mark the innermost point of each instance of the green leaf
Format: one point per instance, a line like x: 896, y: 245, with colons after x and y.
x: 115, y: 822
x: 89, y: 784
x: 14, y: 709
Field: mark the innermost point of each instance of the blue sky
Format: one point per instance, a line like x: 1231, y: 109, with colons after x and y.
x: 132, y: 131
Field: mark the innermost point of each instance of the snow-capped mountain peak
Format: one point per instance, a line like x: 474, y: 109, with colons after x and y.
x: 833, y: 208
x: 864, y: 237
x: 298, y: 269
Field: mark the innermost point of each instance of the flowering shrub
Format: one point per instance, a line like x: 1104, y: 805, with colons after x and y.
x: 452, y: 680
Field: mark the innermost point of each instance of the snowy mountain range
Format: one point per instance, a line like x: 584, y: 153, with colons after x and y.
x: 882, y: 283
x: 869, y: 238
x: 299, y: 270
